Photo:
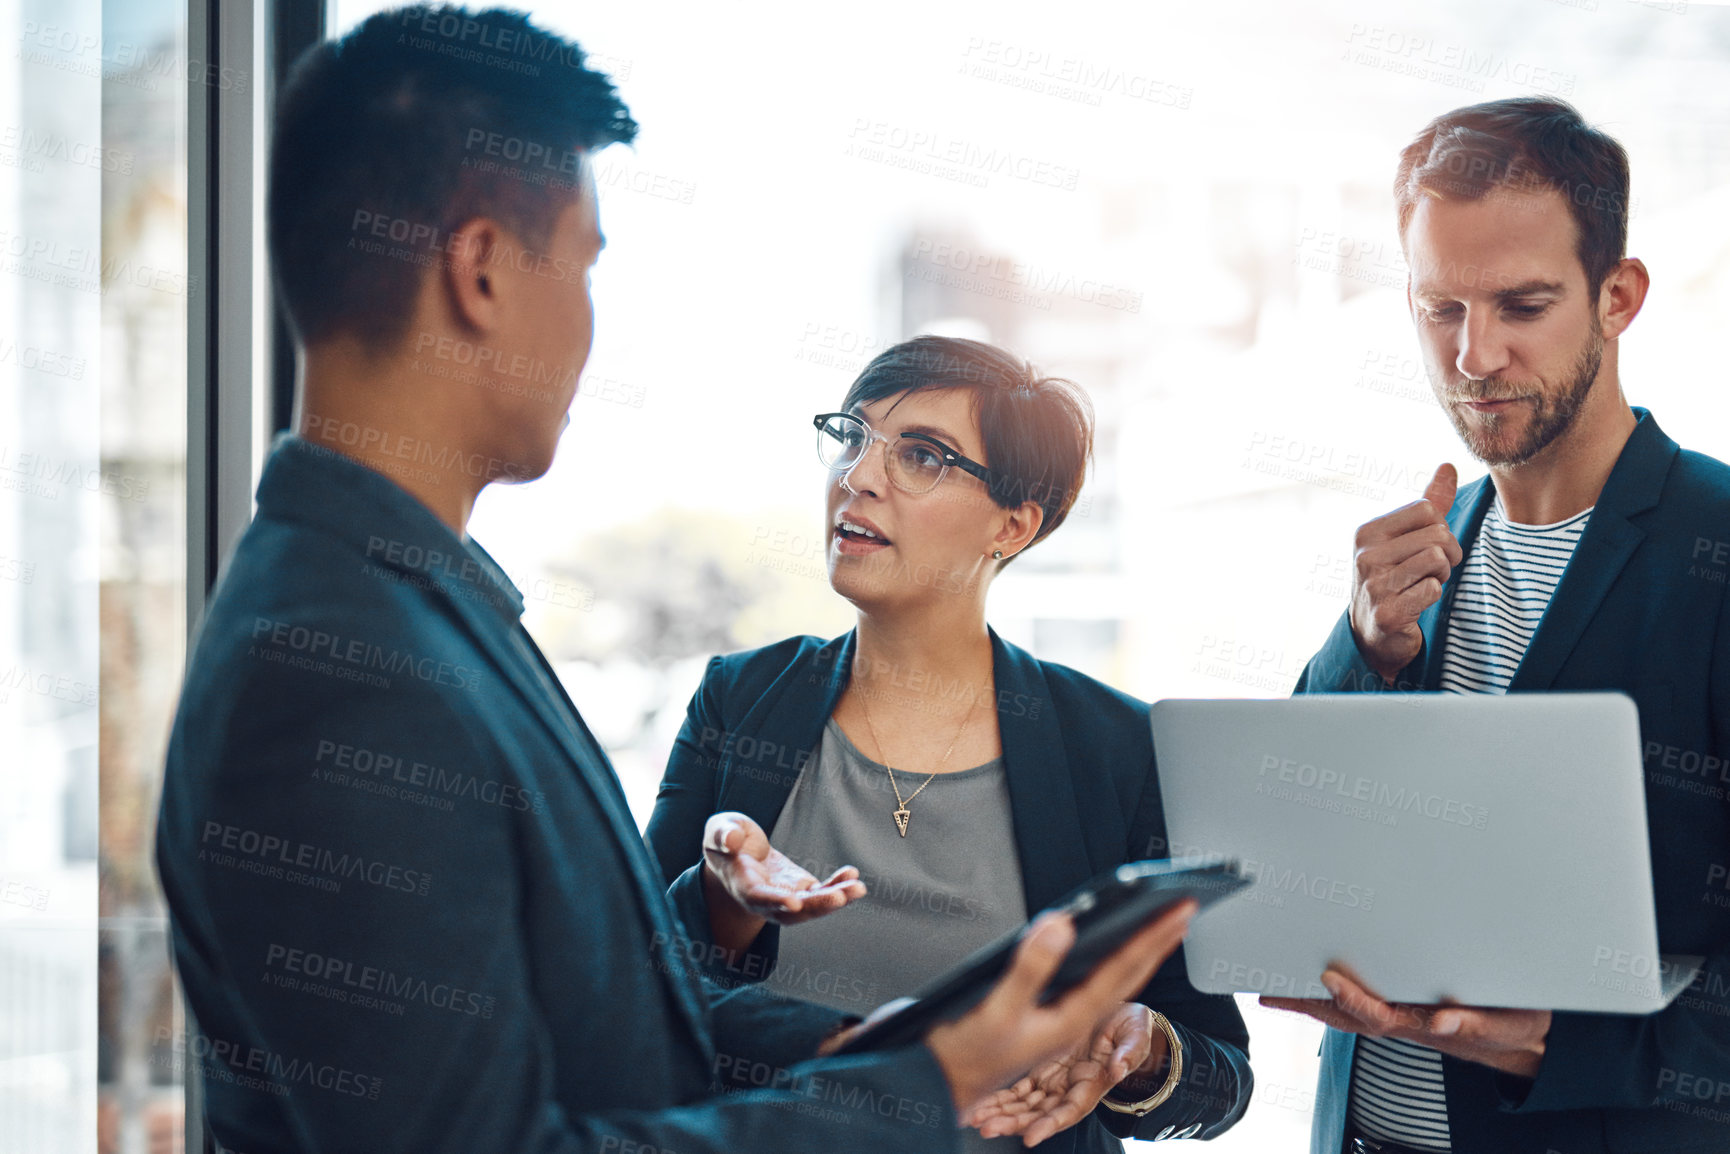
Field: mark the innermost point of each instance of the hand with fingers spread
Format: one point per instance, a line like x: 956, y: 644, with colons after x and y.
x: 1010, y: 1032
x: 748, y: 883
x: 1063, y: 1091
x: 1401, y: 562
x: 1512, y: 1041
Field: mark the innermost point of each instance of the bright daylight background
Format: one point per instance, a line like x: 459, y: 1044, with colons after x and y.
x: 1203, y: 238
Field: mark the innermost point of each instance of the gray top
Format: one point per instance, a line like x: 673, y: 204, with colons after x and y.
x: 951, y: 885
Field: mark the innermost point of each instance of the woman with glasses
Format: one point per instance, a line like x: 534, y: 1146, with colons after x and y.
x: 959, y: 781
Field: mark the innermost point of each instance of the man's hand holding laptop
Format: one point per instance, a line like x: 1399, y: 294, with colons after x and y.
x: 1508, y: 1040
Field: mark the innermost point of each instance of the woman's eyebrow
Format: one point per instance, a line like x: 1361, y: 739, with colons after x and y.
x: 943, y: 435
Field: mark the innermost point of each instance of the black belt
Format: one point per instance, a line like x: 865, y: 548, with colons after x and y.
x: 1358, y: 1143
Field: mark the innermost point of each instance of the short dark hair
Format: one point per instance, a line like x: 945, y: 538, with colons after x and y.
x: 388, y: 139
x: 1038, y: 431
x: 1525, y: 144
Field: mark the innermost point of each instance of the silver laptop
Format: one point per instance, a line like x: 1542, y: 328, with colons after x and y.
x: 1484, y: 849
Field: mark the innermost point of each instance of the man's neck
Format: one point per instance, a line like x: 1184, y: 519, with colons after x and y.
x: 1568, y: 475
x: 381, y: 415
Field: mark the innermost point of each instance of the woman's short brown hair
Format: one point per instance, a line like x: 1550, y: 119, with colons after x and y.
x: 1038, y: 431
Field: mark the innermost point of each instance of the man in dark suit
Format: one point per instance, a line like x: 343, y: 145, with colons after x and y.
x: 1587, y: 559
x: 410, y: 908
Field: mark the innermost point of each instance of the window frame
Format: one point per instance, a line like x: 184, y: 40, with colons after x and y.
x: 227, y: 142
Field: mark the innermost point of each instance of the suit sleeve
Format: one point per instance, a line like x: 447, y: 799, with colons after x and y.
x: 433, y: 901
x: 1217, y: 1082
x: 754, y: 964
x: 688, y: 789
x: 1339, y: 667
x: 759, y: 1025
x: 686, y: 799
x: 1680, y: 1054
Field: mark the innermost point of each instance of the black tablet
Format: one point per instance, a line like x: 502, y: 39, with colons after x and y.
x: 1107, y: 910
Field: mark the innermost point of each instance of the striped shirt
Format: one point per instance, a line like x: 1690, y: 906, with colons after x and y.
x: 1506, y: 585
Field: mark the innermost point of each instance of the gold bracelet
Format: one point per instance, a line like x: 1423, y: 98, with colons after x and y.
x: 1148, y: 1105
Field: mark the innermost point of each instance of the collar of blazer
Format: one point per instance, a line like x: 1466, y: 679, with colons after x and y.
x: 786, y: 726
x: 1635, y: 485
x: 308, y: 484
x: 390, y: 529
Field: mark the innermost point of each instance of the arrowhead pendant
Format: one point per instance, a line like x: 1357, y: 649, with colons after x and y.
x: 901, y: 816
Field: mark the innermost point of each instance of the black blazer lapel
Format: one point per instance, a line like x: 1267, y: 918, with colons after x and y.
x: 771, y: 744
x: 1042, y: 805
x: 1610, y: 539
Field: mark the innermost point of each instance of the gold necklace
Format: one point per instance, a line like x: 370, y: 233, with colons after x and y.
x: 902, y: 815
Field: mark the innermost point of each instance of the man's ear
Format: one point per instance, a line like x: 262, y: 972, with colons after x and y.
x: 470, y: 283
x: 1623, y: 293
x: 1019, y: 527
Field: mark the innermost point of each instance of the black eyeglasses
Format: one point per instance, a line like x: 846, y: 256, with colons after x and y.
x: 916, y: 463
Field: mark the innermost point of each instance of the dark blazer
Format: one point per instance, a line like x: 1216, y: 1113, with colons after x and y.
x: 1640, y: 608
x: 410, y: 908
x: 1083, y: 795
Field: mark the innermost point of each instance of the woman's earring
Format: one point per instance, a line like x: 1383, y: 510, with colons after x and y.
x: 997, y: 555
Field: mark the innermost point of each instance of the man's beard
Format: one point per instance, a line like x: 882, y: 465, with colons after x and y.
x: 1551, y: 414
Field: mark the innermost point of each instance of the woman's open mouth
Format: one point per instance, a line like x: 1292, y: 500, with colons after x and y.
x: 856, y: 537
